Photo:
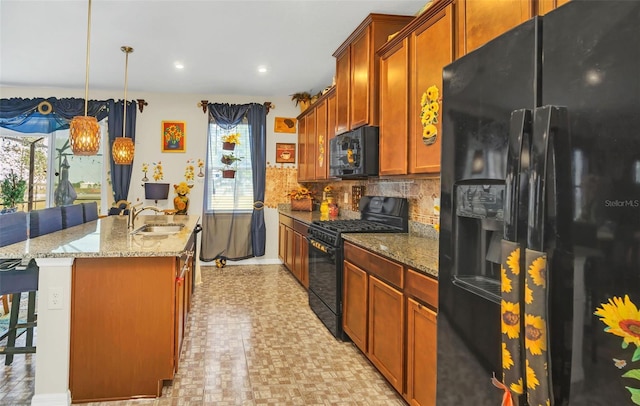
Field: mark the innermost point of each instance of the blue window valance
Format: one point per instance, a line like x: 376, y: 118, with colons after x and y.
x: 40, y: 115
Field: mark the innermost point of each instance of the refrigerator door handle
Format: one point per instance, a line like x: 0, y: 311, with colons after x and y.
x: 512, y: 305
x: 548, y: 176
x: 517, y: 160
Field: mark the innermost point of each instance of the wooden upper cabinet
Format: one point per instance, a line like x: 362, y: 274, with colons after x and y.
x: 331, y: 114
x: 343, y: 77
x: 361, y: 74
x: 302, y: 149
x: 310, y: 168
x: 410, y: 64
x: 544, y: 6
x: 431, y: 49
x: 394, y: 109
x: 480, y: 21
x: 357, y: 74
x: 321, y: 146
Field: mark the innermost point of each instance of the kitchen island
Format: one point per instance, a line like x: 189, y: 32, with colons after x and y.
x: 112, y: 307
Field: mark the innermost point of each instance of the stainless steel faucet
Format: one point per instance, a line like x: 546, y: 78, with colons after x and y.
x: 133, y: 213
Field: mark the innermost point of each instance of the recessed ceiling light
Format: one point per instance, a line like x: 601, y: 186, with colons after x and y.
x: 179, y: 65
x: 262, y: 69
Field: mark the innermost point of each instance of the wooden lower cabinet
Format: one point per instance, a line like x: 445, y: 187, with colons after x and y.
x: 354, y: 305
x: 293, y: 249
x: 422, y: 354
x: 386, y: 331
x: 389, y: 312
x: 127, y: 324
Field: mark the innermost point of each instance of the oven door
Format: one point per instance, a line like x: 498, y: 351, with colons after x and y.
x: 325, y: 284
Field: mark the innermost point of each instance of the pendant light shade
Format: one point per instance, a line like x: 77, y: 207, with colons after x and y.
x: 123, y: 148
x: 84, y: 131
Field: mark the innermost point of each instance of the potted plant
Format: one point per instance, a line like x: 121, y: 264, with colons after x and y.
x: 228, y: 160
x: 12, y: 191
x: 229, y: 141
x: 303, y: 99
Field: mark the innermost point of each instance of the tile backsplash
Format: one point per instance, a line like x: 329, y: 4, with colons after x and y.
x: 423, y: 194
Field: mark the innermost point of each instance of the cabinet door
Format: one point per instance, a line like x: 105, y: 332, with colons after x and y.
x: 354, y: 305
x: 421, y: 354
x: 310, y: 167
x: 361, y: 57
x: 480, y: 21
x: 304, y: 262
x: 343, y: 79
x: 302, y: 149
x: 394, y: 112
x: 331, y: 116
x: 289, y: 250
x: 321, y: 141
x: 282, y: 242
x: 431, y: 50
x: 297, y: 255
x: 179, y: 313
x: 386, y: 327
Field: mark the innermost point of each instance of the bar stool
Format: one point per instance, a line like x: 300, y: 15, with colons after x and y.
x: 45, y: 221
x: 90, y: 211
x: 72, y: 215
x: 16, y: 279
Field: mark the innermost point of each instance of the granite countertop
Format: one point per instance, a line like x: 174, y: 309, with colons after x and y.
x: 107, y: 237
x: 308, y: 216
x: 418, y: 253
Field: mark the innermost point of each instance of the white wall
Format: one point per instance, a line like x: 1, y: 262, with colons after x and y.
x: 180, y: 107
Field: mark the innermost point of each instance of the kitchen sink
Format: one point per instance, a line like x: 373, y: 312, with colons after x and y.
x: 159, y: 229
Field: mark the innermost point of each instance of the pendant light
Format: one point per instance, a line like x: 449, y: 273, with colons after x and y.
x: 123, y: 147
x: 84, y: 131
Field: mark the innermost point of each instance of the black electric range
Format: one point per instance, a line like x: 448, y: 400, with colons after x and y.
x: 378, y: 214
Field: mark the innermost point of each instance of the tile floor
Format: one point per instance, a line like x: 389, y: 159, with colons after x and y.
x: 251, y: 340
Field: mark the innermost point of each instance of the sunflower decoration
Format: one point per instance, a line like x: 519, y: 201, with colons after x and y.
x: 510, y: 319
x: 145, y: 168
x: 528, y: 294
x: 300, y: 193
x: 622, y: 318
x: 200, y: 167
x: 517, y: 387
x: 535, y: 334
x: 513, y: 261
x: 189, y: 173
x: 233, y: 138
x: 506, y: 282
x: 158, y: 174
x: 430, y: 103
x: 507, y: 360
x: 537, y: 271
x: 532, y: 379
x: 173, y: 134
x: 220, y: 262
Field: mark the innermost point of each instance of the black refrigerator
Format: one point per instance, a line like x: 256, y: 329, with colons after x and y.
x: 539, y: 261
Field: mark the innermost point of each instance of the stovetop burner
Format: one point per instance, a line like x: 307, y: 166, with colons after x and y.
x: 379, y: 215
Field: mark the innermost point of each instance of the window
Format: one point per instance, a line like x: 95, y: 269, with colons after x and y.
x: 86, y: 174
x: 229, y: 194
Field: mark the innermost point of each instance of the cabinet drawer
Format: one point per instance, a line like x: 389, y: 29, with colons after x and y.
x: 301, y: 227
x: 383, y: 268
x: 422, y: 288
x: 286, y: 220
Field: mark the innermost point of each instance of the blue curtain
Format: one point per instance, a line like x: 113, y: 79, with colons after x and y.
x: 35, y: 115
x: 257, y: 118
x: 121, y: 174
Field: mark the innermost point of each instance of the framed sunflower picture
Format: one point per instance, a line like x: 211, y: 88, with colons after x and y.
x: 285, y: 125
x: 174, y: 136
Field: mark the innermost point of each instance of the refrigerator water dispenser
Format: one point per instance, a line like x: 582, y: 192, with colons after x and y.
x: 477, y: 234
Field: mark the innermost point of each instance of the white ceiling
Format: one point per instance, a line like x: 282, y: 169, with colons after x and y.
x: 221, y: 43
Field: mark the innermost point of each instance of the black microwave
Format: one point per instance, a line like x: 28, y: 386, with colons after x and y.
x: 354, y: 154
